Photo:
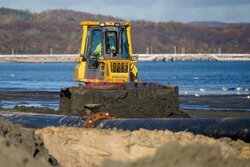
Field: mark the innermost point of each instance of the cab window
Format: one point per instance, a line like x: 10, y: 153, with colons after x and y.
x: 96, y: 42
x: 124, y: 45
x: 96, y: 47
x: 111, y: 42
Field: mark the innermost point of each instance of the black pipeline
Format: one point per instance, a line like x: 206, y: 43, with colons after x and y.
x: 32, y: 120
x: 235, y: 128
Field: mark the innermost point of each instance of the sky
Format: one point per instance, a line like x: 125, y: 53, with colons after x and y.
x: 149, y: 10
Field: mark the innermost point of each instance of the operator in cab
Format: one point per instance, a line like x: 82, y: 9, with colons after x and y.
x: 111, y: 44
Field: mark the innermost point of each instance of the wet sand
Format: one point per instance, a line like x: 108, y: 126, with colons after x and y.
x: 10, y: 99
x: 223, y: 102
x: 237, y: 106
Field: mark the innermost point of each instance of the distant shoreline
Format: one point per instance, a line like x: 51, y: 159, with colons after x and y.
x: 36, y: 58
x: 39, y: 58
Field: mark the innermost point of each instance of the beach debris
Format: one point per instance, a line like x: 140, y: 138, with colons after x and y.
x: 239, y: 89
x: 12, y: 75
x: 197, y: 95
x: 225, y: 89
x: 186, y: 92
x: 196, y: 78
x: 202, y: 90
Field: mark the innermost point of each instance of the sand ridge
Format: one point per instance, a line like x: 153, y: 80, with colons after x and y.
x: 91, y: 147
x: 11, y: 155
x: 18, y: 143
x: 191, y: 155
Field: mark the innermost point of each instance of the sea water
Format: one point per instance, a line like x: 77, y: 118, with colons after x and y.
x: 199, y: 77
x: 191, y: 77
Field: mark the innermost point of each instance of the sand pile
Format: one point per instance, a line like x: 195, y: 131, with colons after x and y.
x: 91, y: 147
x: 176, y: 155
x: 10, y: 155
x: 21, y: 144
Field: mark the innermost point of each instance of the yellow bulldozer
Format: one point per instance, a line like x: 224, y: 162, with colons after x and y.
x: 107, y: 67
x: 113, y: 93
x: 106, y: 54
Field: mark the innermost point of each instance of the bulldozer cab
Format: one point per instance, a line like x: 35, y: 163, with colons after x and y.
x: 109, y: 42
x: 106, y: 54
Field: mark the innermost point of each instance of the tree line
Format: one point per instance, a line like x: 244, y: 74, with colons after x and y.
x: 32, y: 33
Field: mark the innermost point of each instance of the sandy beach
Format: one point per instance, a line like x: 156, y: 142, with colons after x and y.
x: 68, y: 146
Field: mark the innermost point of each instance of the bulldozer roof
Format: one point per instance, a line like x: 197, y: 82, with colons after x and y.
x: 90, y: 23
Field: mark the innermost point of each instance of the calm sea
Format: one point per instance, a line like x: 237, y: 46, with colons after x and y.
x: 192, y: 77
